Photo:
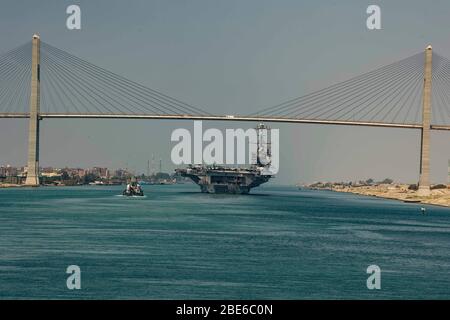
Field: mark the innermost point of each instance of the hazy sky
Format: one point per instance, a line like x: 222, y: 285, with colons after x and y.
x: 232, y: 56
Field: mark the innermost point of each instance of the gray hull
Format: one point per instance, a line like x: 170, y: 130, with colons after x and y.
x: 225, y: 180
x: 220, y: 188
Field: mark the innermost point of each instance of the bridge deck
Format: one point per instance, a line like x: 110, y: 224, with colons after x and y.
x: 223, y: 118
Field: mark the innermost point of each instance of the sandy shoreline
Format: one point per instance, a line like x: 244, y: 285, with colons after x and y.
x: 9, y: 185
x: 440, y: 197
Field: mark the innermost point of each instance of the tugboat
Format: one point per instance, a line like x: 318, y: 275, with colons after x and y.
x: 133, y: 189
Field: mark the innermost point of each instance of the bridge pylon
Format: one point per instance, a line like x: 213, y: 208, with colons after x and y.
x: 33, y: 129
x: 424, y: 180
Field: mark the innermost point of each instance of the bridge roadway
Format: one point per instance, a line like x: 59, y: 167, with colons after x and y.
x: 223, y: 118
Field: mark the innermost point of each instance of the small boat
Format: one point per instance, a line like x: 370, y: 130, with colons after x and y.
x: 412, y: 201
x: 133, y: 189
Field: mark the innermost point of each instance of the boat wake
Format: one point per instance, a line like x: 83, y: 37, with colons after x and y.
x: 131, y: 197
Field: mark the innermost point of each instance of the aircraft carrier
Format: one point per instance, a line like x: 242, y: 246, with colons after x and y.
x: 222, y: 179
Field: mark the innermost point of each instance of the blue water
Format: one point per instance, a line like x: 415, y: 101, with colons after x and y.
x: 278, y: 243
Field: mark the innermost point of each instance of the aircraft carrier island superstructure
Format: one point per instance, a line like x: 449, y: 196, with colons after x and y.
x: 223, y: 179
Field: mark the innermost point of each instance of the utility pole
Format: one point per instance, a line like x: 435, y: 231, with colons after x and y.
x: 153, y: 165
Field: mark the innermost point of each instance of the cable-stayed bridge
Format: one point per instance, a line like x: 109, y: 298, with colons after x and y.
x: 38, y: 80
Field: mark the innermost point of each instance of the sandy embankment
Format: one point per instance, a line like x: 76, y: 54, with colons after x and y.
x: 439, y: 197
x: 10, y: 185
